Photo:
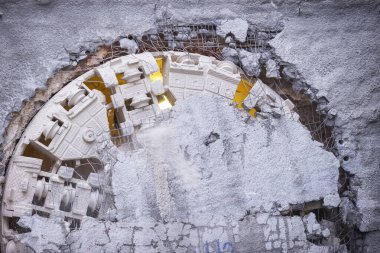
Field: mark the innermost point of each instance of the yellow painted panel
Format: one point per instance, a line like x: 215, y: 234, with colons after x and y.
x: 242, y: 92
x: 160, y: 63
x: 120, y: 78
x: 97, y: 83
x: 156, y: 76
x: 252, y: 112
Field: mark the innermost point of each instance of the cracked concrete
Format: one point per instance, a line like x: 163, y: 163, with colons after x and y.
x: 347, y: 78
x: 169, y: 200
x: 272, y: 234
x: 342, y: 36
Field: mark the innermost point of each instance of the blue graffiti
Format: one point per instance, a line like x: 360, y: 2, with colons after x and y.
x: 228, y: 247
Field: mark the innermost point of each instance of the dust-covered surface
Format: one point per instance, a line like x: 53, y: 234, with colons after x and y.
x: 207, y: 161
x: 46, y: 234
x: 333, y: 44
x: 196, y: 177
x: 337, y: 52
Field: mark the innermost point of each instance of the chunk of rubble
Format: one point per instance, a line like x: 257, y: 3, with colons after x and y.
x: 314, y: 230
x: 47, y: 234
x: 129, y: 44
x: 238, y: 27
x: 272, y: 69
x: 250, y: 62
x: 230, y: 54
x: 332, y: 200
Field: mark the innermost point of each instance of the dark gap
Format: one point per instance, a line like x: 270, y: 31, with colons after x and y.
x: 41, y: 213
x: 12, y: 223
x: 128, y: 104
x: 60, y: 123
x: 84, y: 167
x: 74, y: 223
x: 47, y: 161
x: 306, y: 109
x: 65, y: 105
x: 211, y: 138
x: 42, y: 139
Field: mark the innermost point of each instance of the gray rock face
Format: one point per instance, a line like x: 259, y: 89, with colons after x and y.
x: 274, y: 234
x: 230, y: 54
x: 272, y: 69
x: 33, y: 48
x: 46, y: 234
x: 342, y: 66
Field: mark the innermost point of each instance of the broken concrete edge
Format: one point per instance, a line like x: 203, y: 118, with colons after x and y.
x: 79, y: 62
x: 288, y: 232
x: 288, y: 72
x: 347, y: 204
x: 93, y: 55
x: 20, y: 119
x: 61, y: 77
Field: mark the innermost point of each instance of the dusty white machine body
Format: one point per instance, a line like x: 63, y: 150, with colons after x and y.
x: 58, y: 168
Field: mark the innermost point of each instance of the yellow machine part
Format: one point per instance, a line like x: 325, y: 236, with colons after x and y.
x: 242, y: 92
x: 158, y: 75
x: 96, y: 82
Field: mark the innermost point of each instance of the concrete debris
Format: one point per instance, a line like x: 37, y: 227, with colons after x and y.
x: 232, y: 45
x: 183, y: 36
x: 263, y: 36
x: 229, y: 40
x: 129, y: 44
x: 311, y: 223
x: 290, y: 72
x: 174, y: 183
x: 265, y: 56
x: 238, y: 27
x: 204, y: 32
x: 326, y: 233
x: 332, y: 113
x: 347, y: 76
x: 250, y: 62
x: 47, y: 234
x: 330, y: 64
x: 331, y: 200
x: 272, y: 69
x: 230, y: 54
x: 274, y: 111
